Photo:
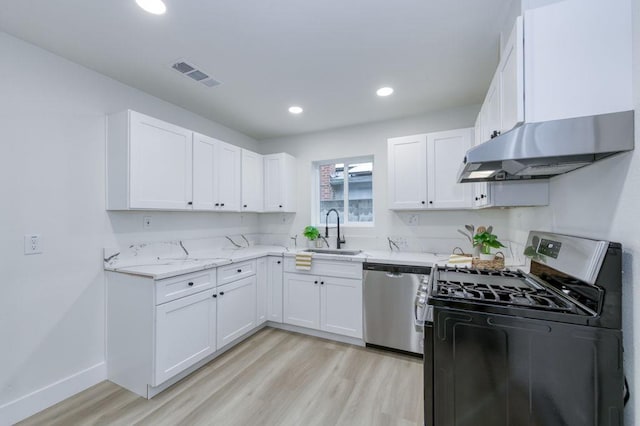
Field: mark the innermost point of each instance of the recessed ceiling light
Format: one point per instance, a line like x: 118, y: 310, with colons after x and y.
x: 384, y: 91
x: 295, y: 110
x: 156, y: 7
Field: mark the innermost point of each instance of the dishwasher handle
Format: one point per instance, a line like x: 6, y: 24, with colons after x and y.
x: 394, y: 274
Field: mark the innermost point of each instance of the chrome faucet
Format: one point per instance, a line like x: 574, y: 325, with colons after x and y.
x: 326, y: 228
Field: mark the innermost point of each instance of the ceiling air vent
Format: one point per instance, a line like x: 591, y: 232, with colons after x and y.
x: 190, y: 70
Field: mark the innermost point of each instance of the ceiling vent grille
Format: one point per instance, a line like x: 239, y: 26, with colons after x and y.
x: 190, y: 70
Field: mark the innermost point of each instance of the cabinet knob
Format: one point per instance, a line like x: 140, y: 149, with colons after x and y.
x: 315, y: 282
x: 482, y: 196
x: 215, y: 296
x: 321, y: 282
x: 222, y: 293
x: 190, y: 284
x: 190, y: 203
x: 245, y: 206
x: 217, y: 204
x: 430, y: 202
x: 222, y: 205
x: 280, y: 206
x: 423, y: 202
x: 279, y: 262
x: 239, y: 270
x: 476, y: 198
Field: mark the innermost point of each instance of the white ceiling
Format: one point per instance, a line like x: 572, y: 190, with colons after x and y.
x: 328, y: 56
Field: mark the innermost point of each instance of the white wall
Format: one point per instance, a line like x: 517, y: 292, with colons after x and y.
x: 436, y: 230
x: 603, y: 201
x: 52, y: 135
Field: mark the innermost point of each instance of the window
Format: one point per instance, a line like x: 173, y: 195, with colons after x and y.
x: 344, y: 183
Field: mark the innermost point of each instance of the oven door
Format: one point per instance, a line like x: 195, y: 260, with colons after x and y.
x: 424, y: 322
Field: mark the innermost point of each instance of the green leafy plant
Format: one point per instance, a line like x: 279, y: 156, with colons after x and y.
x: 486, y: 240
x: 311, y: 232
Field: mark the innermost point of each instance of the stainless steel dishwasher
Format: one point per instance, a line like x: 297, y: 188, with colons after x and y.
x: 389, y: 306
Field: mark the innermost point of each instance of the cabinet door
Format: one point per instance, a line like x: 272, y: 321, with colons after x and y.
x: 160, y: 164
x: 204, y: 170
x: 341, y: 306
x: 185, y: 334
x: 261, y: 290
x: 492, y: 124
x: 274, y: 289
x: 407, y: 168
x: 252, y: 181
x: 228, y: 176
x: 302, y: 300
x: 445, y: 153
x: 511, y: 70
x: 236, y: 309
x: 273, y: 181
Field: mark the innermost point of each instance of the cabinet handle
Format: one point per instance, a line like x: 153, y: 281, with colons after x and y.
x: 222, y: 205
x: 190, y: 203
x: 217, y: 204
x: 430, y: 202
x: 239, y: 270
x: 222, y: 293
x: 245, y: 206
x: 476, y: 198
x: 215, y: 296
x: 280, y: 206
x: 482, y: 196
x: 423, y: 202
x: 315, y: 282
x: 321, y: 282
x: 190, y: 284
x: 279, y: 262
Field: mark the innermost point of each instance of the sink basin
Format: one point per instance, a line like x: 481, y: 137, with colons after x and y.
x: 332, y: 251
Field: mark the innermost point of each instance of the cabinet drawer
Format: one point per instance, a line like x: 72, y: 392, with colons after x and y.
x: 341, y: 269
x: 236, y: 271
x: 184, y: 285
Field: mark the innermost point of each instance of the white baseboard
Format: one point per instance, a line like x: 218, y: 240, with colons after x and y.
x: 317, y: 333
x: 28, y: 405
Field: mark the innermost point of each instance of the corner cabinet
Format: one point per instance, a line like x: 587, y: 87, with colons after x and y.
x: 274, y: 288
x: 279, y: 183
x: 149, y: 163
x: 422, y: 171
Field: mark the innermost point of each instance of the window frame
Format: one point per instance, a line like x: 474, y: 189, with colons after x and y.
x: 315, y: 191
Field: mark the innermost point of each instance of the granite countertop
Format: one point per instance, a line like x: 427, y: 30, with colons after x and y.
x: 161, y: 268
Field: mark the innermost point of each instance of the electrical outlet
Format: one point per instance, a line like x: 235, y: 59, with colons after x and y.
x: 413, y: 220
x: 32, y: 244
x: 146, y: 222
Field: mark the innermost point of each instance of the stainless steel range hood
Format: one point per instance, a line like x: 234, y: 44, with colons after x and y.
x: 543, y: 150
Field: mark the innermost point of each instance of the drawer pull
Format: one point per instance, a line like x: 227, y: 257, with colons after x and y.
x: 215, y: 295
x: 190, y: 284
x: 321, y: 282
x: 315, y: 282
x: 279, y: 262
x: 239, y: 270
x: 222, y: 293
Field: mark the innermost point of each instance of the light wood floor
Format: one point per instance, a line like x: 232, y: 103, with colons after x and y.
x: 273, y: 378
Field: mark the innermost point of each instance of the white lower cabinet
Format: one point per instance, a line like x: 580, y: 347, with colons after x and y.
x: 323, y: 303
x: 274, y: 288
x: 236, y: 309
x: 185, y: 333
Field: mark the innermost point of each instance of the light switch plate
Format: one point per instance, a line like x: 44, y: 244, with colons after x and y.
x: 32, y: 244
x: 413, y: 220
x: 146, y: 222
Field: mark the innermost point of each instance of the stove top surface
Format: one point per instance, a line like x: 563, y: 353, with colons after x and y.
x: 497, y: 288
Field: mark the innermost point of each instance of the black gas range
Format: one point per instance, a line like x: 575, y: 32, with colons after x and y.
x: 538, y: 348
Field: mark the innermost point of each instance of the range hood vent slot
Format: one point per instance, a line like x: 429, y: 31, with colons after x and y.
x: 192, y: 71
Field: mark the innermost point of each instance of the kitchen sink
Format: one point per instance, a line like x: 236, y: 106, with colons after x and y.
x: 332, y: 251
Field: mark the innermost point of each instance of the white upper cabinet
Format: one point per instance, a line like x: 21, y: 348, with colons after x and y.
x: 252, y: 181
x: 216, y: 174
x: 492, y: 120
x: 444, y: 151
x: 423, y: 171
x: 279, y: 183
x: 511, y: 80
x: 149, y: 163
x: 578, y: 59
x: 407, y: 168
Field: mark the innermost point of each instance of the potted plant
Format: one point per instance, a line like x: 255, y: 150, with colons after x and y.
x: 486, y: 241
x: 312, y: 234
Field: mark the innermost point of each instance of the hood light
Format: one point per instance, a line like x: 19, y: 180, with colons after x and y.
x: 155, y: 7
